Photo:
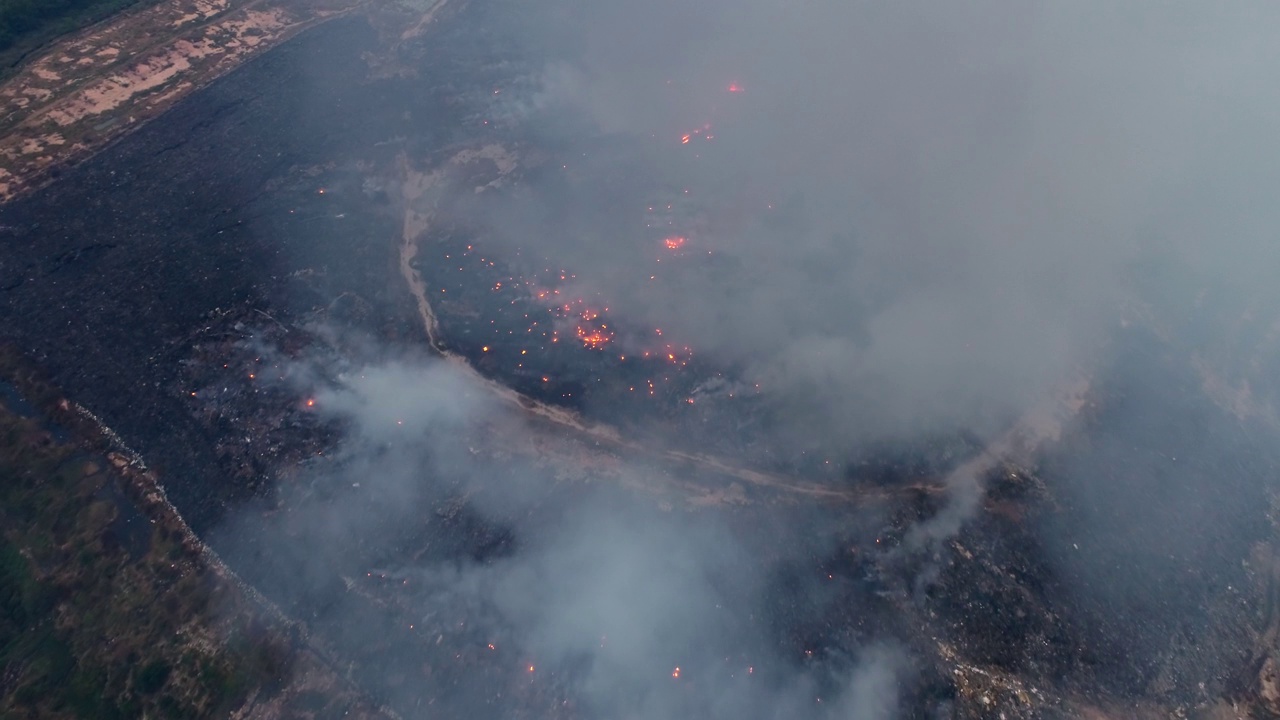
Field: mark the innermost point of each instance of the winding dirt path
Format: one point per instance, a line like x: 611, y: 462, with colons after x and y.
x: 421, y: 191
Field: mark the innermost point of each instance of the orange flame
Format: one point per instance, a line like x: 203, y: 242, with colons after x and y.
x: 593, y: 338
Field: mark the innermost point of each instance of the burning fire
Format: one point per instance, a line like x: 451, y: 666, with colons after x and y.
x: 593, y: 338
x: 588, y: 328
x: 557, y: 315
x: 703, y: 132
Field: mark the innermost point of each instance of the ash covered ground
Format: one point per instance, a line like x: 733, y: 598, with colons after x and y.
x: 561, y: 362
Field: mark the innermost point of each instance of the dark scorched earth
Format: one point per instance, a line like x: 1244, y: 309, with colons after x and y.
x: 197, y: 283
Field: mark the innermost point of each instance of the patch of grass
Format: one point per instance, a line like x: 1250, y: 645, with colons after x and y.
x: 66, y: 584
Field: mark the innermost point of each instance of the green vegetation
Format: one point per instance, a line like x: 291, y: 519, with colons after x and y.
x: 26, y: 25
x: 96, y: 622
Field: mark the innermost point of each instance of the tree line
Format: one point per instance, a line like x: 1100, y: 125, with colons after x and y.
x: 25, y: 25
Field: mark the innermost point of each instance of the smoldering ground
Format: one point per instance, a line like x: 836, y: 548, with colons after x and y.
x: 919, y: 220
x: 917, y: 217
x: 926, y: 219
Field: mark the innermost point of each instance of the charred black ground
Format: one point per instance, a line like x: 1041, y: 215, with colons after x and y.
x: 199, y: 283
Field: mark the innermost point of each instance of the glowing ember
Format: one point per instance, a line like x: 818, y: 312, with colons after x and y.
x: 580, y: 317
x: 735, y: 88
x: 311, y: 403
x: 675, y: 242
x: 675, y: 673
x: 593, y: 338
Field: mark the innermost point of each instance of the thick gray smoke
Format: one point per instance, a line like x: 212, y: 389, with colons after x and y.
x: 907, y: 218
x: 917, y: 215
x: 618, y: 606
x: 901, y: 219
